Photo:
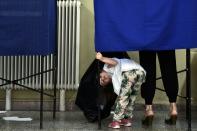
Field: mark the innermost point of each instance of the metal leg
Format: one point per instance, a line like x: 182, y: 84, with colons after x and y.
x: 188, y: 89
x: 99, y: 95
x: 99, y: 117
x: 41, y: 94
x: 54, y: 83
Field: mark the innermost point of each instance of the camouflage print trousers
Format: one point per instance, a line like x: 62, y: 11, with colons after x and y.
x: 130, y: 86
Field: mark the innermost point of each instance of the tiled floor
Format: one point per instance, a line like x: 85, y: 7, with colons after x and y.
x: 75, y: 121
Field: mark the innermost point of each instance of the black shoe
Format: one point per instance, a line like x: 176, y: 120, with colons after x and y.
x: 148, y: 120
x: 171, y: 120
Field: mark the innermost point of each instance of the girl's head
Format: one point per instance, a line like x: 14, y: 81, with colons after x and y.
x: 105, y: 78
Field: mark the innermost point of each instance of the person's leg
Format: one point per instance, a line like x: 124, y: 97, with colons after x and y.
x: 148, y: 62
x: 137, y: 77
x: 129, y: 79
x: 167, y: 61
x: 123, y: 98
x: 121, y: 102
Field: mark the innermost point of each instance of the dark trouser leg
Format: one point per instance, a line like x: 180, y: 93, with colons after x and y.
x: 148, y: 62
x: 167, y: 62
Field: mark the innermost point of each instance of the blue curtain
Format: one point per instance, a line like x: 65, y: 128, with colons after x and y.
x: 27, y: 27
x: 126, y: 25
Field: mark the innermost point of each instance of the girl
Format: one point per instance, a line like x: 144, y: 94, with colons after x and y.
x: 126, y: 77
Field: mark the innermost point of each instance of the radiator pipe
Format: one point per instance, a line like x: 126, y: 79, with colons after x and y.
x: 62, y: 100
x: 8, y: 100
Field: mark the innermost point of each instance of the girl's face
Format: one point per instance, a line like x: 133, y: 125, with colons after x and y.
x: 105, y: 78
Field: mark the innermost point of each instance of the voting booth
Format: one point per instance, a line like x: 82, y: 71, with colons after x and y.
x: 131, y: 25
x: 28, y: 28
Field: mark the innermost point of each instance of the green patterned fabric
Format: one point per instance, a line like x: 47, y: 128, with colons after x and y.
x: 131, y: 83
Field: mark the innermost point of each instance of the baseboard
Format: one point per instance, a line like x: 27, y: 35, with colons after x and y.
x: 70, y: 106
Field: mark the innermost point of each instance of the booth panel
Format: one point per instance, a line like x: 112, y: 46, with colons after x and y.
x: 129, y: 25
x: 27, y: 27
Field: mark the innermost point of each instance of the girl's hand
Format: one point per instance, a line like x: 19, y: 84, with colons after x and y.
x: 99, y: 56
x: 111, y: 62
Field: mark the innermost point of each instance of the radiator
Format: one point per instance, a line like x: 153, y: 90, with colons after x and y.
x: 68, y: 40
